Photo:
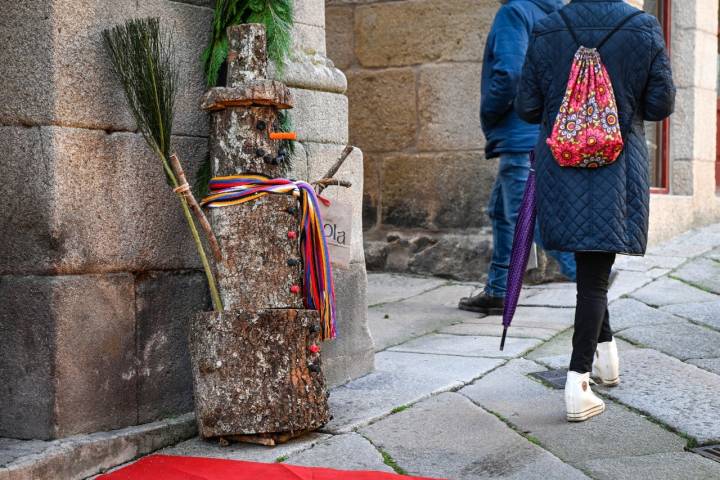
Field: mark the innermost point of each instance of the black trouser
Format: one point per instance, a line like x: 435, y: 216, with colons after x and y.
x: 592, y: 320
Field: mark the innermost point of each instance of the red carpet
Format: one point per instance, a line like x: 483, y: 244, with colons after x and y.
x: 166, y: 467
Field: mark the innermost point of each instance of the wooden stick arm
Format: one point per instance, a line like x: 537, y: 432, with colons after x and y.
x: 327, y: 179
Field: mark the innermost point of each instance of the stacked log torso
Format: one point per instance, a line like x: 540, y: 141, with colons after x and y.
x: 255, y: 376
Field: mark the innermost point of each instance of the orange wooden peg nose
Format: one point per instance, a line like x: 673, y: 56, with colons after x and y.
x: 283, y: 136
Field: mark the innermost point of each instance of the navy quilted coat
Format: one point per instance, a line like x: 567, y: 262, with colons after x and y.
x: 604, y: 209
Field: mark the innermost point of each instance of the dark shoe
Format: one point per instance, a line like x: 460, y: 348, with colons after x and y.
x: 483, y: 303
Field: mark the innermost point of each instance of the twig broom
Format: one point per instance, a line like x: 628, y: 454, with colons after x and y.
x: 143, y: 57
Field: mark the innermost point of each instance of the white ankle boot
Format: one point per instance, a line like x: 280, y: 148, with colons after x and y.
x: 580, y: 401
x: 606, y: 367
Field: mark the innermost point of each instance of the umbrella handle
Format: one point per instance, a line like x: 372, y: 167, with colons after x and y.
x: 502, y: 340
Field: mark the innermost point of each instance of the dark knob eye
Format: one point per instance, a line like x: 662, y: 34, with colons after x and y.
x: 293, y: 262
x: 292, y: 210
x: 314, y: 328
x: 260, y: 152
x: 261, y: 125
x: 269, y: 159
x: 314, y: 367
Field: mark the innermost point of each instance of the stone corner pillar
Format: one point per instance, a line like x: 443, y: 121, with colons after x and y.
x: 320, y: 117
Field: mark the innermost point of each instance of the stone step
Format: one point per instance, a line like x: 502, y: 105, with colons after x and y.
x: 82, y: 456
x: 539, y: 411
x: 680, y: 395
x: 400, y: 379
x: 448, y: 436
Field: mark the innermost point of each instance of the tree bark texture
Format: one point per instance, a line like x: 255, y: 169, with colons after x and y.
x: 255, y: 373
x: 261, y: 263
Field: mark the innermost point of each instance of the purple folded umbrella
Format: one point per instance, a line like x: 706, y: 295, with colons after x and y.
x: 522, y: 245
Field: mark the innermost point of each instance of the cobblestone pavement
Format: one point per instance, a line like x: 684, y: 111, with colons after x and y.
x: 445, y: 402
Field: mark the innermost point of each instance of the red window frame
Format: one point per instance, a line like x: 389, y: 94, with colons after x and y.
x: 664, y: 126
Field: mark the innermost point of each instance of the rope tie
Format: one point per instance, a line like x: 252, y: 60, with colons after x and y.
x: 319, y: 289
x: 182, y: 188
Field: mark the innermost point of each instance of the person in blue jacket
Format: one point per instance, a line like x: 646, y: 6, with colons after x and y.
x: 510, y: 138
x: 596, y: 212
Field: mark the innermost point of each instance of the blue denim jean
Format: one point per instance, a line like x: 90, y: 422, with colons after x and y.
x: 505, y: 201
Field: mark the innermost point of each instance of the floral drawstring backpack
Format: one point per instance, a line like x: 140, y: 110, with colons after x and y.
x: 586, y: 132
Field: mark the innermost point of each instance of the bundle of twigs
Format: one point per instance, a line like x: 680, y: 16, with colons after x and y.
x: 276, y: 15
x: 143, y: 58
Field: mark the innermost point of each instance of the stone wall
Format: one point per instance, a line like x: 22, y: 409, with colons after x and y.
x: 693, y: 199
x: 413, y: 69
x: 98, y: 274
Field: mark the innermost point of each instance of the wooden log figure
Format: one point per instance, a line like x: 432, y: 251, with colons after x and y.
x: 256, y: 366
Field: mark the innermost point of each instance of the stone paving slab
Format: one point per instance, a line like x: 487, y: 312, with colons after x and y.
x: 536, y: 317
x: 470, y: 346
x: 550, y: 297
x: 668, y: 291
x: 389, y: 287
x: 707, y: 313
x: 447, y: 436
x: 480, y: 329
x: 559, y: 345
x: 714, y: 254
x: 710, y: 364
x: 646, y: 263
x: 628, y: 312
x: 539, y: 411
x: 701, y: 272
x: 197, y: 447
x: 400, y: 379
x: 682, y: 340
x: 688, y: 245
x: 661, y: 466
x: 627, y: 281
x: 676, y: 393
x: 394, y: 323
x: 344, y: 452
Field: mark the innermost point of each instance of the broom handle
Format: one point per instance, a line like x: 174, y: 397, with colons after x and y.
x: 184, y: 190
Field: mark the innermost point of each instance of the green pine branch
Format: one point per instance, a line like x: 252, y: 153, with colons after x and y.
x: 276, y: 15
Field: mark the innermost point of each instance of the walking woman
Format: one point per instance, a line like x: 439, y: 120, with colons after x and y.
x: 594, y: 71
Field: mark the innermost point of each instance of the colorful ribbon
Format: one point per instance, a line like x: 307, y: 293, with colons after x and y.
x: 319, y: 286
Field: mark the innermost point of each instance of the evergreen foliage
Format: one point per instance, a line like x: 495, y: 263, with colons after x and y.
x: 276, y: 15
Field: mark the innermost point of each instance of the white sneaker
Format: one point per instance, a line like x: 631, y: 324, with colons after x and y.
x: 606, y: 367
x: 580, y: 401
